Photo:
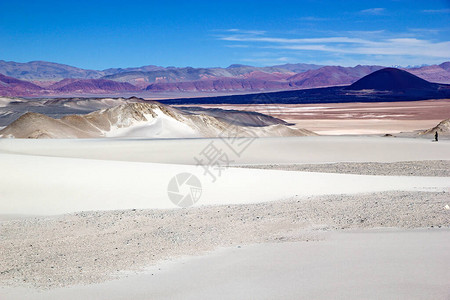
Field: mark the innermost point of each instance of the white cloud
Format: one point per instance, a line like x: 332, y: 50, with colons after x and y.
x: 241, y: 31
x: 245, y: 38
x: 237, y: 46
x: 264, y: 59
x: 268, y: 60
x: 425, y: 30
x: 400, y: 45
x: 313, y: 19
x: 437, y: 11
x: 373, y: 11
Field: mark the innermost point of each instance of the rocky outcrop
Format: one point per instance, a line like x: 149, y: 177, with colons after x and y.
x: 442, y: 128
x: 150, y: 120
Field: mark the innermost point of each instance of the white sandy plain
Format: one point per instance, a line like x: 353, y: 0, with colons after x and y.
x: 310, y: 149
x: 49, y: 177
x: 41, y: 185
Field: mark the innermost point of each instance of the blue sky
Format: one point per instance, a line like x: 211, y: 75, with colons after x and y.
x: 103, y: 34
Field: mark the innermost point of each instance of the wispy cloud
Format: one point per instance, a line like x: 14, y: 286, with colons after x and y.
x: 268, y: 60
x: 437, y: 11
x: 366, y: 33
x: 237, y: 46
x: 374, y: 43
x: 426, y: 31
x: 246, y: 38
x: 373, y: 11
x: 399, y: 46
x: 242, y: 31
x: 313, y: 19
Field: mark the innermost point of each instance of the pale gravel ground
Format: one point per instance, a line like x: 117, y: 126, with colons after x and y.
x: 94, y: 246
x: 439, y: 168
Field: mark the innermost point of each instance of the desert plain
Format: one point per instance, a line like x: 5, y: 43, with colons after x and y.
x: 355, y: 118
x: 160, y: 150
x: 342, y: 215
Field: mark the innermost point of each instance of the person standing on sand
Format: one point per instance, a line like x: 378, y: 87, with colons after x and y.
x: 436, y: 136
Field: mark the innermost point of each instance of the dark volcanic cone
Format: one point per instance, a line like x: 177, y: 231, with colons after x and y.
x: 391, y: 79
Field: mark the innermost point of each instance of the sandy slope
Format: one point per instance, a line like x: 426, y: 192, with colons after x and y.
x: 89, y: 247
x: 318, y: 149
x: 45, y: 185
x: 387, y: 265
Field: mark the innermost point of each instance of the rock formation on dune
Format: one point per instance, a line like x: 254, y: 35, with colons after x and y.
x: 239, y: 117
x: 443, y: 128
x: 37, y: 126
x: 151, y: 120
x: 391, y: 79
x: 12, y: 108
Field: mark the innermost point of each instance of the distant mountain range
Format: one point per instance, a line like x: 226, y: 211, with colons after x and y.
x: 39, y: 78
x: 384, y: 85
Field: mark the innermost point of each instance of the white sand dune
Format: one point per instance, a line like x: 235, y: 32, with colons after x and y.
x: 161, y: 126
x: 311, y: 149
x: 51, y: 185
x: 61, y: 176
